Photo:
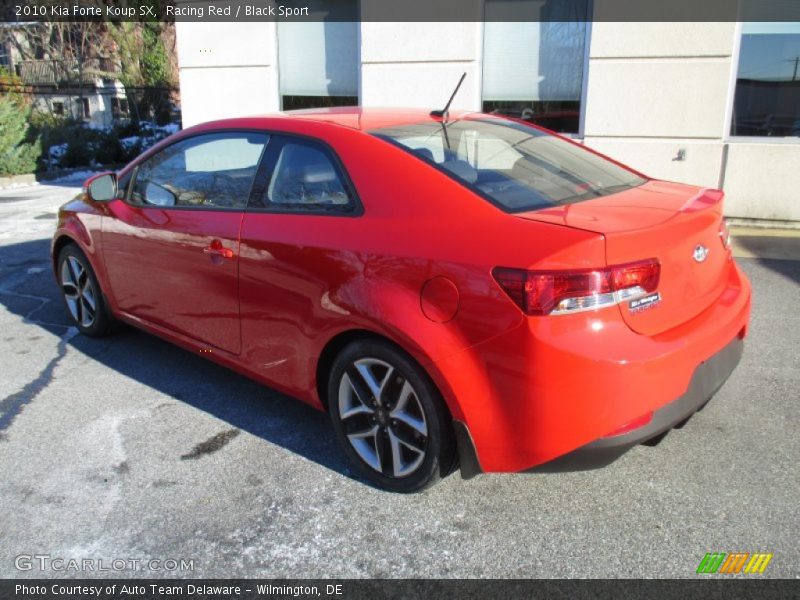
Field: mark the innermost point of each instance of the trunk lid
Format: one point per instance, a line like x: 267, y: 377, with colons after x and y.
x: 677, y: 224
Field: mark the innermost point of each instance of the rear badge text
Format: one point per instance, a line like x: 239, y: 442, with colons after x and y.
x: 644, y: 303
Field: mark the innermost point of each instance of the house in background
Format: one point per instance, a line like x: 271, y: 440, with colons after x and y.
x: 714, y: 104
x: 90, y: 91
x: 99, y: 100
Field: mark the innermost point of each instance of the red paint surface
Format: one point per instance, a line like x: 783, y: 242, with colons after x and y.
x: 281, y: 287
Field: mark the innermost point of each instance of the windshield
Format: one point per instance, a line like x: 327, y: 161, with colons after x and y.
x: 514, y: 166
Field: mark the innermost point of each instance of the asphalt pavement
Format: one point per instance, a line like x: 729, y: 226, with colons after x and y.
x: 130, y: 449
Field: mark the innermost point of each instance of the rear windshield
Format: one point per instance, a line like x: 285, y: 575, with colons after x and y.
x: 514, y: 166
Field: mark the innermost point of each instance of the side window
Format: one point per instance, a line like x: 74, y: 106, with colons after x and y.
x: 305, y: 177
x: 208, y: 171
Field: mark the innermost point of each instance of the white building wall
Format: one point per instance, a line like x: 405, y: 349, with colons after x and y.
x: 653, y: 89
x: 226, y: 70
x: 657, y: 88
x: 762, y: 181
x: 419, y: 64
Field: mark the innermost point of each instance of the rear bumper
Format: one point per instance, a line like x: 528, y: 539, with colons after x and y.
x: 707, y: 379
x: 549, y: 394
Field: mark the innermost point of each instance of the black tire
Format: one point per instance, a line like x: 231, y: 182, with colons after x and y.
x: 397, y: 428
x: 94, y: 322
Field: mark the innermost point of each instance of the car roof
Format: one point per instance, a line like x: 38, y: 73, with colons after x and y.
x: 352, y: 117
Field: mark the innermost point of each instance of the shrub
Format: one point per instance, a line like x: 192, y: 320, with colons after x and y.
x: 18, y: 153
x: 76, y: 145
x: 42, y: 121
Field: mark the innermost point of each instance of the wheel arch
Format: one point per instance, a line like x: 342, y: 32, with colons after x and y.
x: 65, y: 237
x: 59, y: 243
x: 339, y: 341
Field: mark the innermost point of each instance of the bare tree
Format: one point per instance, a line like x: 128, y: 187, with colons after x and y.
x: 60, y: 54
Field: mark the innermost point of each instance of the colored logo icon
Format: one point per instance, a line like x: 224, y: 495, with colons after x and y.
x: 736, y: 562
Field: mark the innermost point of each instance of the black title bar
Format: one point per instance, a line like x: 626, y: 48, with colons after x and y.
x: 508, y: 589
x: 26, y: 11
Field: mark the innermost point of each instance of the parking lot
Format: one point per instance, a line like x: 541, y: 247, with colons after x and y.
x: 130, y: 448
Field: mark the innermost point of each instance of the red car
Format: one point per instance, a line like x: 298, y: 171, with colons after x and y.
x: 458, y: 289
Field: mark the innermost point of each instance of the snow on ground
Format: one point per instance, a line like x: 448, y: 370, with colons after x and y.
x: 18, y: 184
x: 57, y: 152
x: 149, y: 134
x: 130, y: 142
x: 73, y: 177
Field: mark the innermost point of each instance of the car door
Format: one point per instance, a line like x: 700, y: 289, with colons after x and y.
x: 293, y: 250
x: 171, y: 246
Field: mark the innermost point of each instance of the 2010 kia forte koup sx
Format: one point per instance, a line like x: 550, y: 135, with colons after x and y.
x: 453, y: 289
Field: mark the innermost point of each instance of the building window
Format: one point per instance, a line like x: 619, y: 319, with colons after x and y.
x: 767, y: 97
x: 318, y: 61
x: 58, y: 109
x: 5, y: 56
x: 119, y: 107
x: 86, y: 112
x: 535, y: 70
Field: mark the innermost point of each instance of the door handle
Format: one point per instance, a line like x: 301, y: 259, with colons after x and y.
x: 217, y: 249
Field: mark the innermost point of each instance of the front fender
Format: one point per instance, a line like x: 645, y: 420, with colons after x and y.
x: 81, y: 222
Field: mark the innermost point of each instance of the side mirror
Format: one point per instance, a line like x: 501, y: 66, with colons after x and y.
x: 102, y: 188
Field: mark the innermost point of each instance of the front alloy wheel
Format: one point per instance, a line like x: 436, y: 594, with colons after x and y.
x: 79, y: 293
x: 389, y: 417
x: 82, y: 294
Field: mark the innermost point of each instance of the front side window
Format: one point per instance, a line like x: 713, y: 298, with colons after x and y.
x: 767, y: 100
x: 207, y: 171
x: 514, y: 166
x: 305, y: 177
x: 534, y: 70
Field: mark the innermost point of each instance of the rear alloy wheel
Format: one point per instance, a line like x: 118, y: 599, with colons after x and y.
x: 82, y: 295
x: 389, y: 418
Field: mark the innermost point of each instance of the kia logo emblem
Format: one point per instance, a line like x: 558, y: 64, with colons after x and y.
x: 700, y: 253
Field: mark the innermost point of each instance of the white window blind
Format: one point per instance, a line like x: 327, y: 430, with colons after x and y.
x: 318, y: 58
x: 534, y: 61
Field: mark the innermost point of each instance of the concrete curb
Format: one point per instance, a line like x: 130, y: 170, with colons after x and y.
x: 48, y: 177
x: 18, y: 181
x: 772, y: 244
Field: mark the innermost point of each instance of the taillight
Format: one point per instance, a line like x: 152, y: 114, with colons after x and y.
x: 560, y: 292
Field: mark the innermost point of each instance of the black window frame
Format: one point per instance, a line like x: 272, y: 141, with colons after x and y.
x: 258, y: 203
x: 294, y: 102
x: 134, y: 174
